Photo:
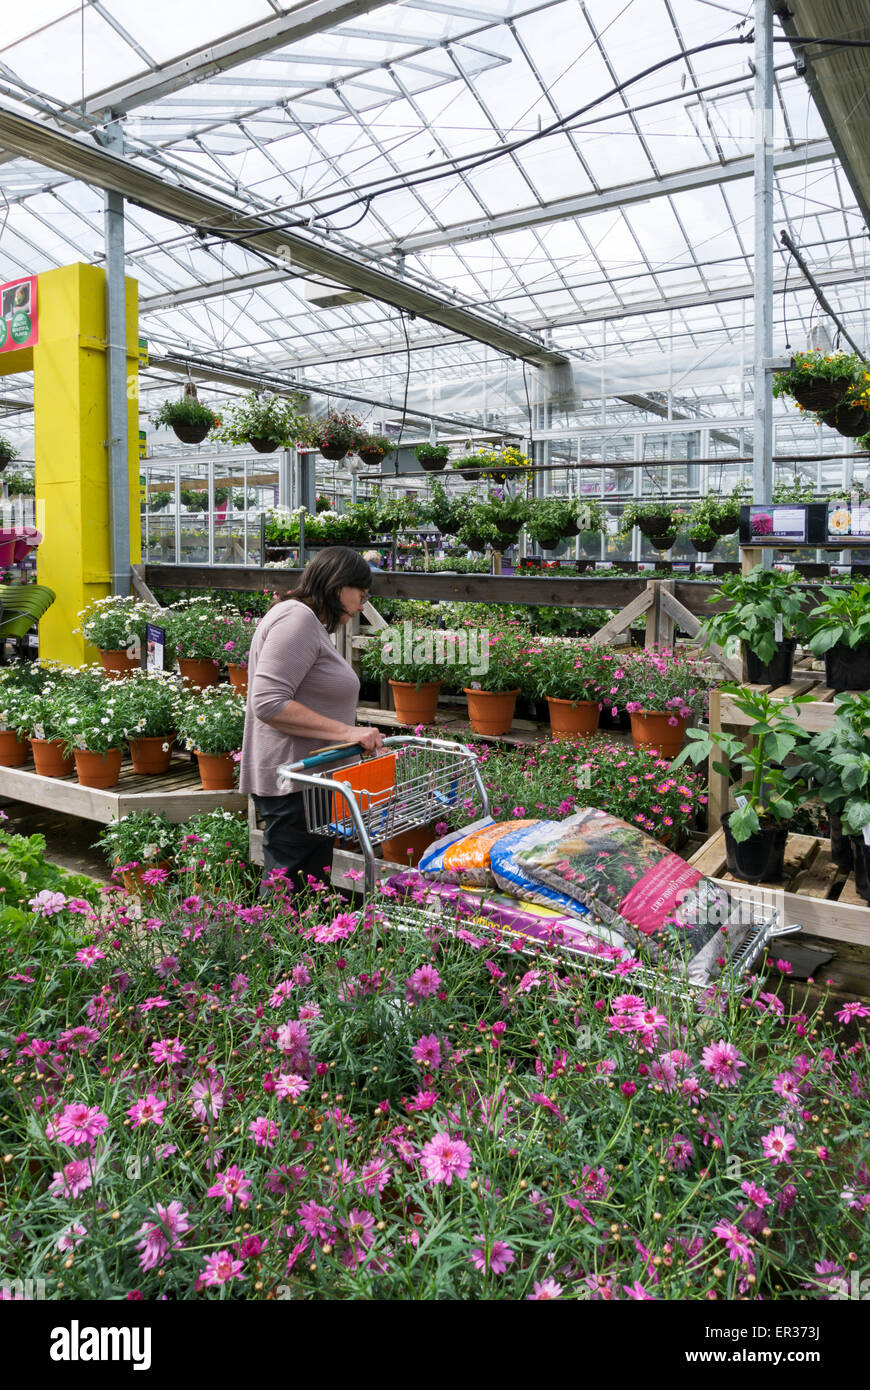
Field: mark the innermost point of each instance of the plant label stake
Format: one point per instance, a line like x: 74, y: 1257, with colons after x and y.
x: 155, y: 647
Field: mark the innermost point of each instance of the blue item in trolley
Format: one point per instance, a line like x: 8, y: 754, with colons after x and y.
x: 509, y: 876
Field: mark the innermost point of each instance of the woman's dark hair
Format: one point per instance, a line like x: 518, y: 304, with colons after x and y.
x: 322, y: 580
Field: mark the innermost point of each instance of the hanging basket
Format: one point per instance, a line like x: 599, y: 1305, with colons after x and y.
x: 334, y: 452
x: 848, y: 420
x: 370, y: 457
x: 650, y: 526
x: 817, y: 394
x: 192, y: 434
x: 725, y: 526
x: 704, y: 546
x: 432, y: 465
x: 662, y: 542
x: 262, y: 446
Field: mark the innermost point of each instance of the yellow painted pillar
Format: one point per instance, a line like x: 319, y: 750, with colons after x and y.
x: 70, y: 393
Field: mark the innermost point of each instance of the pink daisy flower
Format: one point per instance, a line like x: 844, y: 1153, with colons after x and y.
x: 288, y: 1085
x: 427, y: 1051
x: 148, y: 1108
x: 73, y: 1180
x: 424, y: 982
x: 221, y: 1268
x: 89, y: 955
x: 232, y: 1184
x: 80, y: 1124
x: 264, y: 1132
x: 316, y: 1220
x: 778, y: 1144
x: 170, y: 1050
x: 722, y: 1061
x: 546, y: 1288
x: 500, y: 1256
x: 444, y: 1159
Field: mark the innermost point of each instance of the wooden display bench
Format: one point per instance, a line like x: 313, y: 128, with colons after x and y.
x: 816, y: 716
x: 813, y: 891
x: 178, y: 793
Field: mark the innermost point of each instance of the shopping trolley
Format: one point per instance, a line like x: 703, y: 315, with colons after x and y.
x: 411, y: 782
x: 401, y: 790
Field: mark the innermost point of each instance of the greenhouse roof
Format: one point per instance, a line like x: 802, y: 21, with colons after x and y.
x: 479, y: 149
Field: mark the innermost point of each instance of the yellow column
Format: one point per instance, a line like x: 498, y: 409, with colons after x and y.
x: 72, y: 459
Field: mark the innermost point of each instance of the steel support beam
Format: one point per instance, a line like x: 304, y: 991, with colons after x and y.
x: 303, y: 21
x: 762, y: 435
x: 212, y: 217
x: 116, y: 370
x: 609, y: 199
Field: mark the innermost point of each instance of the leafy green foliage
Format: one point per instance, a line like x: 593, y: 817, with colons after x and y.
x: 755, y: 601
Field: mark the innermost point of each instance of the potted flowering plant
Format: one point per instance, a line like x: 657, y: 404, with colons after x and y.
x: 373, y: 448
x: 15, y: 699
x: 478, y: 530
x: 415, y: 662
x: 336, y: 434
x: 213, y: 726
x: 492, y: 683
x: 140, y: 847
x: 765, y: 613
x: 193, y: 626
x: 189, y: 418
x: 662, y: 691
x: 237, y: 630
x: 432, y: 457
x: 757, y: 832
x: 508, y: 514
x: 574, y: 678
x: 839, y: 630
x: 265, y: 422
x: 94, y: 729
x: 151, y: 705
x: 817, y: 380
x: 211, y: 848
x: 852, y: 416
x: 115, y: 625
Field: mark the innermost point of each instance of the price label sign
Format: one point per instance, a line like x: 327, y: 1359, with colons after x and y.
x: 155, y: 639
x: 19, y: 325
x: 770, y: 523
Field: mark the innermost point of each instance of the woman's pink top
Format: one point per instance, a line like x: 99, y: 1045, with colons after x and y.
x: 291, y: 658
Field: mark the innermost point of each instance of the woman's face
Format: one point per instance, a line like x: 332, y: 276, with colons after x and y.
x: 352, y: 601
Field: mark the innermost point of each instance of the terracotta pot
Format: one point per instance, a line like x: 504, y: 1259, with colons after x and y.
x: 238, y: 677
x: 572, y: 721
x: 409, y: 847
x: 98, y: 769
x: 415, y: 705
x: 652, y: 729
x: 491, y: 712
x: 118, y: 664
x: 49, y: 758
x: 148, y: 754
x: 217, y: 771
x: 132, y: 878
x: 14, y: 750
x: 199, y: 673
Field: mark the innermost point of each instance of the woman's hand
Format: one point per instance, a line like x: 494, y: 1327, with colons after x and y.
x: 369, y: 739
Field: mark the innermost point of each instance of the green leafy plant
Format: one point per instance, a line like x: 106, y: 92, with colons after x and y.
x: 836, y: 762
x: 19, y: 484
x: 193, y: 499
x: 478, y: 530
x: 392, y: 514
x: 432, y: 453
x: 445, y: 513
x: 650, y: 511
x: 769, y: 792
x: 702, y: 536
x: 842, y: 619
x: 142, y: 838
x: 160, y: 500
x: 242, y: 501
x: 150, y: 703
x: 214, y: 721
x: 552, y: 519
x: 277, y: 420
x: 25, y: 873
x: 794, y: 489
x: 755, y: 602
x: 186, y: 411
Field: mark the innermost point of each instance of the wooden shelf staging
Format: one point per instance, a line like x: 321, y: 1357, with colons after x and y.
x: 177, y: 793
x: 813, y: 891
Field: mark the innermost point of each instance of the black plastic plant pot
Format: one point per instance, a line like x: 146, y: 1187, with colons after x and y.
x: 848, y: 668
x: 262, y: 446
x: 663, y: 542
x: 191, y: 434
x: 861, y: 854
x: 777, y: 671
x: 655, y: 525
x: 841, y: 845
x: 759, y: 859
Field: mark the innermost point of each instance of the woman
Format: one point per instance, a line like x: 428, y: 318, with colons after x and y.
x: 302, y: 695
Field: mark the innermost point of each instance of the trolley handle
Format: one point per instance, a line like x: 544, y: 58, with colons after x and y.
x: 336, y: 753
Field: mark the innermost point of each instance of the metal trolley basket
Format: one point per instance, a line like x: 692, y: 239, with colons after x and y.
x: 421, y: 780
